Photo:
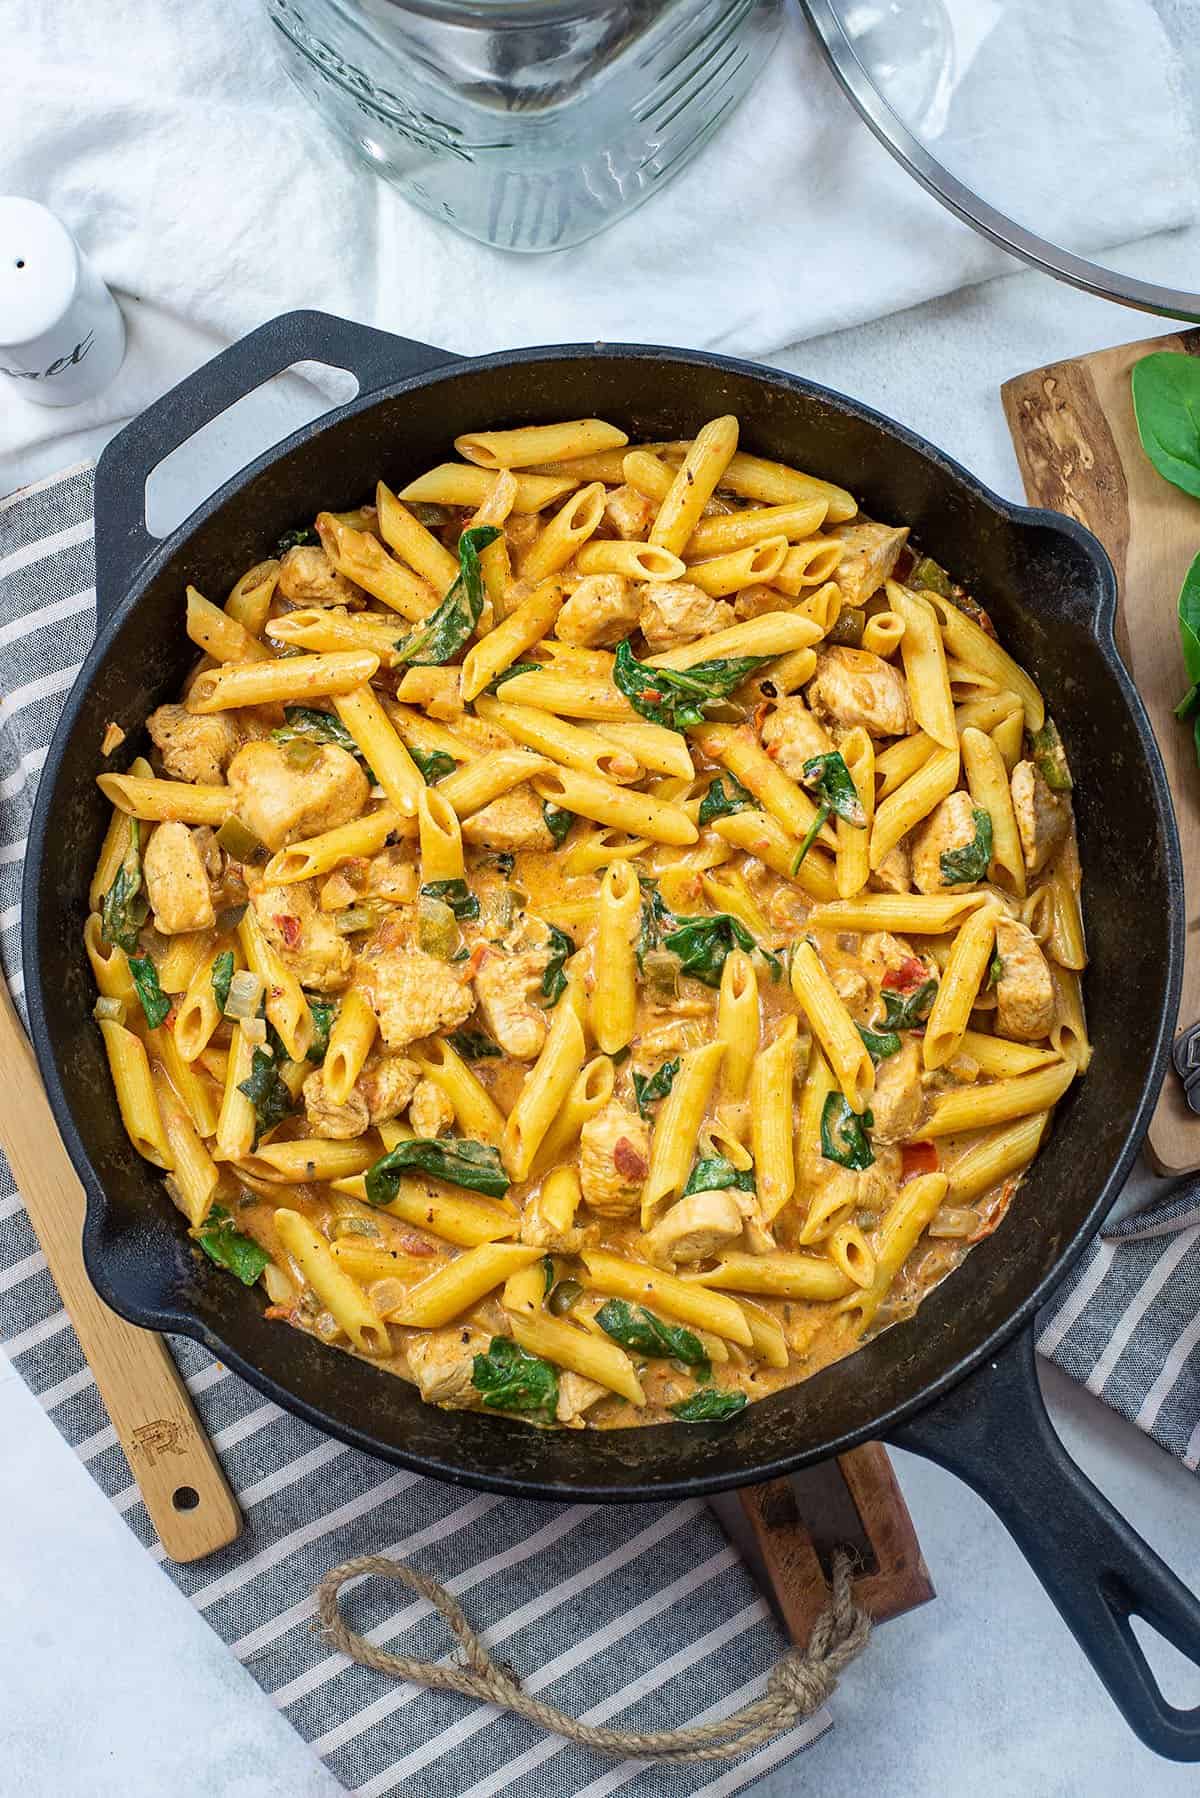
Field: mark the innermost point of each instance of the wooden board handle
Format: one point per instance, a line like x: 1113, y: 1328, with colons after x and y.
x: 171, y: 1458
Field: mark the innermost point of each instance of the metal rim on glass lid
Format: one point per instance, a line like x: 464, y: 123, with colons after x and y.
x: 840, y: 34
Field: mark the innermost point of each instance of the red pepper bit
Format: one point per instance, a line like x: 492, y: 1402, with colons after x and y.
x: 288, y: 928
x: 909, y: 974
x: 917, y: 1158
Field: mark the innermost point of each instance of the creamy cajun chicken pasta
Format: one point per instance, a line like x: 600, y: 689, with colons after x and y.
x: 599, y: 934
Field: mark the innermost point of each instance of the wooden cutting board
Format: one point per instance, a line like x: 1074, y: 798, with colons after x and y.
x: 1077, y: 445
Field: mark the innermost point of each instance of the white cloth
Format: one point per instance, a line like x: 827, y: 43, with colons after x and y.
x: 211, y: 196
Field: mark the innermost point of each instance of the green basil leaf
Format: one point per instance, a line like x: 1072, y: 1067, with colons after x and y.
x: 510, y: 673
x: 715, y: 1404
x: 843, y: 1136
x: 969, y: 863
x: 323, y: 1015
x: 125, y: 908
x: 648, y: 1088
x: 673, y: 697
x: 454, y: 893
x: 433, y: 764
x: 474, y: 1165
x: 638, y: 1329
x: 715, y: 1174
x: 449, y: 628
x: 222, y: 974
x: 1166, y: 405
x: 718, y: 803
x: 508, y: 1378
x: 829, y: 776
x: 558, y: 820
x: 296, y: 540
x: 266, y: 1091
x: 811, y: 835
x: 554, y: 980
x: 880, y: 1043
x: 229, y: 1248
x: 155, y: 1003
x: 473, y: 1045
x: 904, y: 1011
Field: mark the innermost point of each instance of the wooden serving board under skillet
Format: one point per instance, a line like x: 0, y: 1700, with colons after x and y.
x: 1077, y: 445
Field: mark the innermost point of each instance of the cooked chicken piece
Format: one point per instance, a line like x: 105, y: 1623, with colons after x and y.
x: 629, y: 512
x: 177, y: 881
x: 194, y: 748
x: 413, y: 994
x: 381, y: 1092
x: 306, y: 938
x: 1043, y: 818
x: 603, y: 609
x: 677, y: 612
x: 341, y: 1122
x: 437, y: 691
x: 430, y: 1112
x: 514, y: 821
x: 614, y: 1159
x: 575, y: 1395
x: 537, y: 1232
x: 898, y: 1097
x: 850, y: 986
x: 392, y: 874
x: 442, y: 1363
x: 757, y: 1235
x: 308, y: 578
x: 282, y: 803
x: 870, y: 555
x: 894, y: 873
x: 950, y: 826
x: 792, y: 736
x: 505, y: 987
x: 695, y: 1228
x: 883, y: 955
x: 1024, y: 991
x: 852, y: 686
x: 757, y: 599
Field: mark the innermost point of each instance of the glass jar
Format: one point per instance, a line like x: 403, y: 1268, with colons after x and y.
x: 528, y: 124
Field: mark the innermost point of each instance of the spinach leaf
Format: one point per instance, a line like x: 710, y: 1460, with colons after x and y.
x: 829, y: 776
x: 510, y: 1379
x: 844, y: 1136
x: 715, y: 1174
x: 510, y: 673
x: 505, y: 862
x: 714, y: 1405
x: 648, y: 1088
x: 1048, y: 753
x: 454, y: 893
x: 155, y: 1003
x: 125, y: 908
x: 1166, y: 405
x: 474, y: 1165
x: 676, y: 698
x: 904, y: 1011
x: 432, y: 763
x: 229, y: 1248
x: 222, y: 974
x: 654, y: 916
x: 449, y: 628
x: 309, y: 723
x: 995, y: 970
x: 1188, y: 610
x: 717, y: 803
x: 703, y: 943
x: 971, y: 862
x: 295, y: 540
x: 323, y: 1015
x: 554, y: 981
x: 558, y: 820
x: 880, y: 1043
x: 811, y: 835
x: 638, y: 1329
x: 473, y: 1045
x: 266, y: 1091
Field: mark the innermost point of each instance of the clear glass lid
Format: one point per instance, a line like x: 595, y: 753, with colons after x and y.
x: 1067, y: 131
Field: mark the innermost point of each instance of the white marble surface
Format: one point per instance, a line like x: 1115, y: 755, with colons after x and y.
x: 112, y: 1685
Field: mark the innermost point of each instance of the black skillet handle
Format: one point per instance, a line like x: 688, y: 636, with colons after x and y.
x: 122, y: 541
x: 993, y: 1431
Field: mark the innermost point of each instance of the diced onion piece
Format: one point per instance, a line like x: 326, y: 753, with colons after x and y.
x: 109, y: 1011
x: 255, y: 1031
x: 245, y: 995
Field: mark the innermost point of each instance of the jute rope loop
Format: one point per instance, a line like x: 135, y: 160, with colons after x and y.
x: 801, y: 1681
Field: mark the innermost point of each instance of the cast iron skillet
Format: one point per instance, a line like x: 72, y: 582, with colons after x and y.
x: 957, y: 1383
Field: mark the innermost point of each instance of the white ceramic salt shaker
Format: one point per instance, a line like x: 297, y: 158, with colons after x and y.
x: 62, y: 336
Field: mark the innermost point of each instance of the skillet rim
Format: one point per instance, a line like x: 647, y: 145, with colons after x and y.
x: 178, y: 1320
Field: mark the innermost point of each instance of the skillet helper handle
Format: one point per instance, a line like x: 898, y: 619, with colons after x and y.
x: 993, y: 1431
x: 123, y: 543
x: 171, y: 1458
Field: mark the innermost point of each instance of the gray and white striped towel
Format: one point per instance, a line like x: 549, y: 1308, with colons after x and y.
x: 642, y: 1616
